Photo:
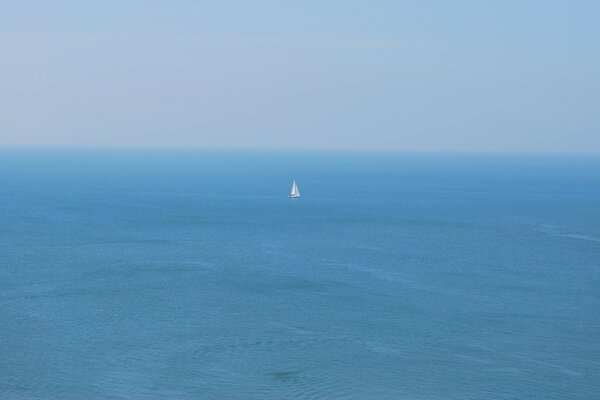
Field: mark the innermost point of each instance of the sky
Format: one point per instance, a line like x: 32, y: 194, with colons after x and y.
x: 434, y: 76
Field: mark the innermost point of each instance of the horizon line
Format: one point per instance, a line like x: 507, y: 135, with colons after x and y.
x: 337, y: 150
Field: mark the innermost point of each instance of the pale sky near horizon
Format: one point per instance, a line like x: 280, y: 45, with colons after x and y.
x: 468, y: 76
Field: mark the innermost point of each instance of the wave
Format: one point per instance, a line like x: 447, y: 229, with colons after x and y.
x: 556, y: 231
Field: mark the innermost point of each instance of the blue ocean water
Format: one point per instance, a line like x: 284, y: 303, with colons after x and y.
x: 191, y: 275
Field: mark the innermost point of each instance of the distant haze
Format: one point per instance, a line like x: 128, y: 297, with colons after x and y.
x: 468, y: 76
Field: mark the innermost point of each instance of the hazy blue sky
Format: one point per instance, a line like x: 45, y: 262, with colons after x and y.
x: 407, y: 75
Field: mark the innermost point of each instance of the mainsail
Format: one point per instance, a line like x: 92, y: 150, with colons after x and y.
x: 295, y: 192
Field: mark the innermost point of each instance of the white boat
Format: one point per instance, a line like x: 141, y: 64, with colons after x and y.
x: 295, y: 193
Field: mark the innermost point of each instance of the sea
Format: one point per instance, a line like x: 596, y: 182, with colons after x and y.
x: 185, y: 274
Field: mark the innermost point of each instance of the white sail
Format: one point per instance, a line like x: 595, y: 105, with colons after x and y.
x: 295, y: 192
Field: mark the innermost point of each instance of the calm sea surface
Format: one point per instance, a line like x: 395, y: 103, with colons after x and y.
x: 182, y: 275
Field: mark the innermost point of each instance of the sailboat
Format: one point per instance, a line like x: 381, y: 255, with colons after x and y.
x: 295, y: 193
